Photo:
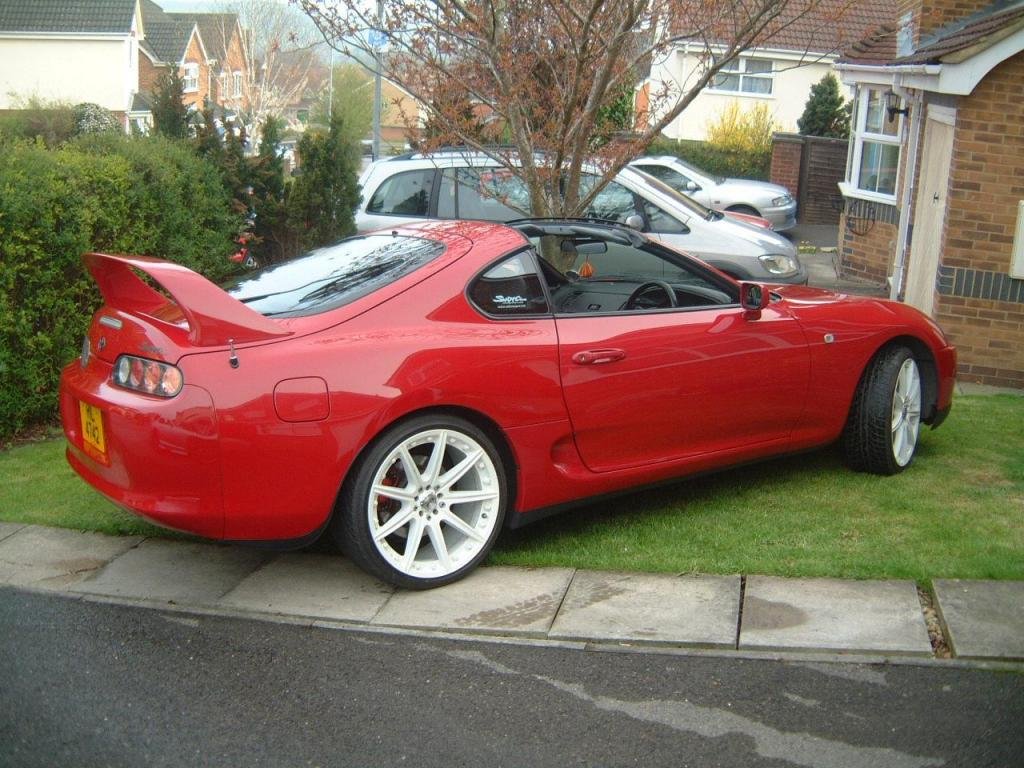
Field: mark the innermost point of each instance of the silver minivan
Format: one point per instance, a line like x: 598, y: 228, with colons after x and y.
x: 465, y: 185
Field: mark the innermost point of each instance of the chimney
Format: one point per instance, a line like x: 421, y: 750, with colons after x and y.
x: 917, y: 19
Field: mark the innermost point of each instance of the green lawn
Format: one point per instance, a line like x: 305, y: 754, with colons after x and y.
x: 958, y: 512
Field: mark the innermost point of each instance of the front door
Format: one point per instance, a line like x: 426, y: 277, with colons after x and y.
x: 930, y: 211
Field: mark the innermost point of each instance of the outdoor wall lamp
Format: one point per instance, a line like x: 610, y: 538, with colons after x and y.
x: 892, y: 106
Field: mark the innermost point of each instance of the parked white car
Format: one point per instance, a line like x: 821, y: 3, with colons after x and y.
x: 464, y: 185
x: 758, y: 198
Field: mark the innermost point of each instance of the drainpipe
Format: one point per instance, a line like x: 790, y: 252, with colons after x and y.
x: 912, y: 127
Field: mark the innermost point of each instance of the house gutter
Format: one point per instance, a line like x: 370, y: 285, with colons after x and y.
x: 899, y: 69
x: 893, y: 76
x: 913, y: 127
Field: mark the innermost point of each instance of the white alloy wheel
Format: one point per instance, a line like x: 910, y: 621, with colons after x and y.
x: 434, y: 503
x: 906, y: 412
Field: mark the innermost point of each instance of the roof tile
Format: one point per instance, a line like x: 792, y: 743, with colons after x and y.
x: 70, y: 16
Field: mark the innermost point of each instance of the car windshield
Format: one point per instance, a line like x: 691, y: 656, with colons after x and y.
x: 683, y: 201
x: 330, y: 277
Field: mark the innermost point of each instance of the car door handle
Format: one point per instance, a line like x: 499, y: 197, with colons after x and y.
x: 598, y: 356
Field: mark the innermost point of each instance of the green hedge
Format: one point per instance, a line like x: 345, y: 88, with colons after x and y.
x: 99, y: 193
x: 720, y: 162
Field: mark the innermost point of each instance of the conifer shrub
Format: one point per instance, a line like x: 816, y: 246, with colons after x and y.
x: 825, y: 113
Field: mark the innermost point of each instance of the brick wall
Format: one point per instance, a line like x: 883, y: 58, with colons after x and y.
x: 149, y: 73
x: 929, y: 15
x: 787, y: 151
x: 979, y: 304
x: 989, y: 336
x: 867, y: 241
x: 194, y: 55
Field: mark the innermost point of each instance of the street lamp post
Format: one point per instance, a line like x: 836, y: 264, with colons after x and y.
x: 377, y: 81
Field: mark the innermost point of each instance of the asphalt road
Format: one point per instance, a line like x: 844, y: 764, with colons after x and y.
x: 88, y: 684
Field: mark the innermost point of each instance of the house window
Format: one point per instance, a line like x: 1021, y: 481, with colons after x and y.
x: 236, y: 82
x: 190, y: 80
x: 746, y: 75
x: 875, y: 159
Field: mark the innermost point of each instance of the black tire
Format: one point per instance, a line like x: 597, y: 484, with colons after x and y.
x: 870, y: 442
x: 468, y: 529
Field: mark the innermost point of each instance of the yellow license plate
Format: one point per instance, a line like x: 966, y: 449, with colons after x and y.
x: 92, y: 427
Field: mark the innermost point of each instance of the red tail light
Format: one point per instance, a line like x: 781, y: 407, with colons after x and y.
x: 148, y: 376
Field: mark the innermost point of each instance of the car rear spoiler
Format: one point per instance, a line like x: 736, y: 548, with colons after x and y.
x: 214, y: 318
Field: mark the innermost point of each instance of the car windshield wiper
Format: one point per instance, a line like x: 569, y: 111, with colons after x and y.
x: 327, y: 287
x: 341, y: 284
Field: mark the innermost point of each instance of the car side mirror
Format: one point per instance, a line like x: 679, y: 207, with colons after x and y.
x: 635, y: 221
x: 692, y: 186
x: 753, y: 298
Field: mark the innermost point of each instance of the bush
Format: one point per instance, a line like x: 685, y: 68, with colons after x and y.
x: 825, y: 114
x: 739, y: 145
x: 718, y: 162
x: 743, y: 130
x: 92, y: 118
x: 50, y: 122
x: 322, y: 198
x: 103, y: 192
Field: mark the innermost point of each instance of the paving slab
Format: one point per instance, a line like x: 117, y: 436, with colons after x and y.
x: 985, y: 619
x: 502, y: 600
x: 9, y: 529
x: 631, y: 607
x: 176, y: 572
x: 56, y: 558
x: 833, y: 615
x: 321, y: 586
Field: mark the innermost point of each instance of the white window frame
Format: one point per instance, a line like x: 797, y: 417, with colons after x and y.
x: 859, y: 135
x: 741, y: 73
x: 190, y: 78
x: 236, y: 84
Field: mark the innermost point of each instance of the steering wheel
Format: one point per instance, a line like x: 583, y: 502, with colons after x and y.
x: 641, y: 298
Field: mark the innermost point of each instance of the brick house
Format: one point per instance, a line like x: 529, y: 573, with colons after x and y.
x: 73, y: 52
x: 934, y: 187
x: 778, y: 74
x: 172, y: 42
x: 228, y: 64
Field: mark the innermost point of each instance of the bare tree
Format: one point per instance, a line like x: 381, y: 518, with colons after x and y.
x: 550, y: 71
x: 281, y: 54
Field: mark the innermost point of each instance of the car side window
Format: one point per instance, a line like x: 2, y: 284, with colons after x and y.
x: 600, y: 276
x: 485, y: 194
x: 404, y: 194
x: 511, y: 288
x: 660, y: 221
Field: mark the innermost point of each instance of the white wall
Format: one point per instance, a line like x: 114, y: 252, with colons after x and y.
x: 791, y: 86
x: 103, y: 71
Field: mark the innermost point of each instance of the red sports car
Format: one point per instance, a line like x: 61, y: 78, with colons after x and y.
x: 416, y: 391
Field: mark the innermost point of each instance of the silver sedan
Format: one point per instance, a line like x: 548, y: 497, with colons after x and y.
x: 769, y: 201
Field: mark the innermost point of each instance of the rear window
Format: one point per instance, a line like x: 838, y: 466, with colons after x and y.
x: 404, y: 194
x: 331, y: 277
